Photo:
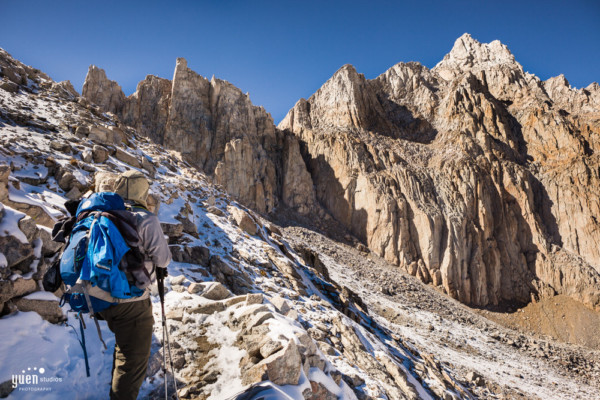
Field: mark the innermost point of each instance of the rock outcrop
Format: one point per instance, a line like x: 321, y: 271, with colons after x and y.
x: 15, y: 75
x: 217, y: 128
x: 103, y: 92
x: 147, y: 109
x: 570, y: 99
x: 475, y: 175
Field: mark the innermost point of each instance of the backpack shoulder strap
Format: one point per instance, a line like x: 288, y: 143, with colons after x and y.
x: 126, y: 223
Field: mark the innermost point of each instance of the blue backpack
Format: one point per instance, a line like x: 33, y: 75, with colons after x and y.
x: 93, y: 256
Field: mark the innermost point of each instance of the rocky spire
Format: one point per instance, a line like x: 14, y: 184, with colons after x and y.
x: 148, y: 108
x: 103, y: 92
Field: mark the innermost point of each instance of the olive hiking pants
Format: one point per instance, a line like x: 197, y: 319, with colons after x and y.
x: 132, y: 325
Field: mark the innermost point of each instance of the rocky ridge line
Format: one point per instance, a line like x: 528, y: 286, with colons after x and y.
x: 215, y: 127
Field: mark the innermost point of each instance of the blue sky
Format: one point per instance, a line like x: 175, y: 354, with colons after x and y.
x: 280, y: 51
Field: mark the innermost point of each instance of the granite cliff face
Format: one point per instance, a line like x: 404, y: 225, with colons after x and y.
x: 217, y: 128
x: 475, y: 175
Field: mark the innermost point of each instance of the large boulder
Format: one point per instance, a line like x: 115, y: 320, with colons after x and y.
x: 101, y: 134
x: 19, y: 287
x: 67, y: 179
x: 243, y: 220
x: 148, y: 165
x: 9, y: 86
x: 190, y: 254
x: 208, y: 308
x: 281, y: 368
x: 15, y: 252
x: 172, y: 230
x: 28, y: 226
x: 215, y: 291
x: 38, y: 213
x: 99, y: 154
x: 320, y: 392
x: 280, y: 304
x: 49, y: 246
x: 127, y: 158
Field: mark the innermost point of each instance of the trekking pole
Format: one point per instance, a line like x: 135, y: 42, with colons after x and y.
x: 161, y: 273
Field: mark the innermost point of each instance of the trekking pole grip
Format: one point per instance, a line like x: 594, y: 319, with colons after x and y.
x: 161, y: 273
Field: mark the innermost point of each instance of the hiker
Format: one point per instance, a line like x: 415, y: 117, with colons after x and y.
x: 131, y: 320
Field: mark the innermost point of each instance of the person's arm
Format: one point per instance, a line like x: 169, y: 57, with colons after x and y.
x: 153, y: 241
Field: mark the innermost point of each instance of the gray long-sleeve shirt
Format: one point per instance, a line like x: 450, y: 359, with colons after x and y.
x: 153, y: 244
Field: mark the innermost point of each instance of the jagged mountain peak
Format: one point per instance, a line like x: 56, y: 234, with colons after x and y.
x: 407, y: 75
x: 347, y: 69
x: 558, y: 80
x: 572, y: 99
x: 466, y: 47
x: 98, y: 75
x: 346, y: 100
x: 411, y: 65
x: 184, y: 73
x: 477, y: 101
x: 468, y: 53
x: 344, y: 79
x: 102, y: 91
x: 94, y: 67
x: 593, y: 86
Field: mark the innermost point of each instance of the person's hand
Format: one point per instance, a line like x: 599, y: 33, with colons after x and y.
x: 161, y: 273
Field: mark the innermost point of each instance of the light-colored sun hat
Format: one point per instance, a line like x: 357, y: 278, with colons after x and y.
x: 133, y: 185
